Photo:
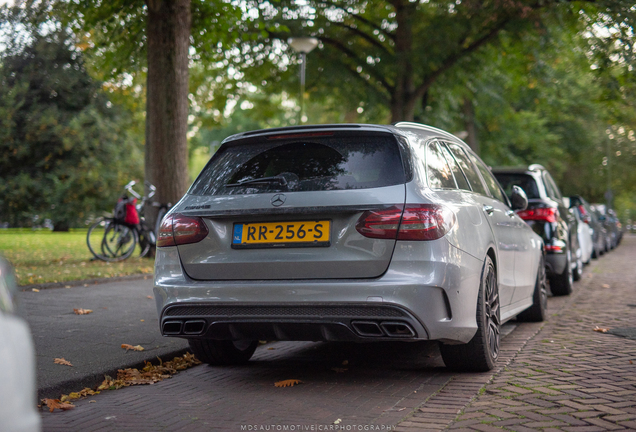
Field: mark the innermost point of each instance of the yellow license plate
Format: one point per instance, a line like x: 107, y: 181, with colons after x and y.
x: 282, y: 234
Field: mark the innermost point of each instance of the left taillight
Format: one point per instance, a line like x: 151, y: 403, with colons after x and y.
x: 413, y: 222
x: 178, y: 229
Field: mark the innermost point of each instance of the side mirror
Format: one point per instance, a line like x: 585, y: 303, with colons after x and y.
x: 518, y: 199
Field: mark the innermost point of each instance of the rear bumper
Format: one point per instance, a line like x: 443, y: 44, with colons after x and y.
x: 414, y: 300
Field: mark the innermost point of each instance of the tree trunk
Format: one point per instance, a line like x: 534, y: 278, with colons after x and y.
x: 166, y: 151
x: 469, y: 123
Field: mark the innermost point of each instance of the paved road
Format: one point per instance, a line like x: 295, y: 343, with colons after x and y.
x: 382, y: 388
x: 122, y: 313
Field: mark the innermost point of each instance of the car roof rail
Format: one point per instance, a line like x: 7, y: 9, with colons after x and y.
x: 425, y: 128
x: 536, y: 167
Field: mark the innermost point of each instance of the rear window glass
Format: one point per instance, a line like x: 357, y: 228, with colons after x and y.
x: 524, y: 181
x: 305, y: 164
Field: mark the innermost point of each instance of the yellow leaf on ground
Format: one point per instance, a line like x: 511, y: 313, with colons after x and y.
x: 150, y: 297
x: 606, y: 286
x: 287, y: 383
x: 35, y: 290
x: 601, y: 329
x: 82, y: 311
x: 57, y: 404
x: 130, y: 347
x: 149, y: 374
x: 62, y: 361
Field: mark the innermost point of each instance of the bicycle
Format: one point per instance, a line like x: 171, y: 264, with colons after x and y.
x: 115, y: 238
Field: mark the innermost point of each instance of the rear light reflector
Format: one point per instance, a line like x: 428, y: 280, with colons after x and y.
x: 416, y: 222
x: 553, y: 248
x: 547, y: 214
x: 178, y: 229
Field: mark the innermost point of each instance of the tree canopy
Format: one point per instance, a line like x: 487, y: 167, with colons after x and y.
x: 64, y: 147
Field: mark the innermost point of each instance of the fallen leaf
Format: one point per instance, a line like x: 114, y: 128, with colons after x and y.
x: 631, y: 362
x: 82, y: 311
x: 142, y: 320
x: 130, y: 347
x: 35, y: 290
x: 57, y: 404
x: 339, y: 370
x: 150, y: 297
x: 346, y: 362
x: 606, y: 286
x: 337, y: 421
x: 67, y: 286
x: 601, y: 329
x: 271, y: 348
x: 80, y: 394
x: 149, y: 374
x: 62, y: 361
x: 92, y: 401
x: 287, y: 383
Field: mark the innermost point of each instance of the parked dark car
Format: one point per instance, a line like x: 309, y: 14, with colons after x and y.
x: 590, y: 217
x: 612, y: 225
x: 549, y: 217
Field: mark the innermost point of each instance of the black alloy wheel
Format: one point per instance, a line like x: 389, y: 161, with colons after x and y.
x: 481, y: 353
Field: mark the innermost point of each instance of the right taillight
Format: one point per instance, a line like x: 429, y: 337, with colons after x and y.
x: 418, y: 222
x: 178, y: 229
x: 547, y: 214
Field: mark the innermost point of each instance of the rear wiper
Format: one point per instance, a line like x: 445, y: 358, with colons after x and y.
x: 277, y: 179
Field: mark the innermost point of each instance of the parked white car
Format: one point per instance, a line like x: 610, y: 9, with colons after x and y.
x: 18, y: 392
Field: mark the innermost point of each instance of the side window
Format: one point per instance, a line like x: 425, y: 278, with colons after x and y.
x: 460, y: 178
x: 439, y: 173
x: 490, y: 180
x: 548, y: 186
x: 469, y: 169
x: 557, y: 193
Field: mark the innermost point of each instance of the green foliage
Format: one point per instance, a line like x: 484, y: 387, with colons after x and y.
x: 65, y: 150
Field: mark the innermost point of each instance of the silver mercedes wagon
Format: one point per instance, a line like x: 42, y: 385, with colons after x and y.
x: 347, y: 233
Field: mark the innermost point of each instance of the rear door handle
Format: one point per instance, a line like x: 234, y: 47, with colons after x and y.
x: 489, y: 209
x: 510, y: 213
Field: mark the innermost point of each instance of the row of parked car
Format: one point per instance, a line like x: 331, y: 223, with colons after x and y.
x: 366, y: 233
x: 573, y: 230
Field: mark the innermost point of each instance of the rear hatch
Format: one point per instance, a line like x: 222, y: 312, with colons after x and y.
x: 285, y: 206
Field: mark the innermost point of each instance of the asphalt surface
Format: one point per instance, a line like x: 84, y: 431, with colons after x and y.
x: 556, y: 375
x: 122, y: 313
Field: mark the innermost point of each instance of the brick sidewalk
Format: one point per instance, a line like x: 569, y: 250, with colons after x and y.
x: 567, y: 377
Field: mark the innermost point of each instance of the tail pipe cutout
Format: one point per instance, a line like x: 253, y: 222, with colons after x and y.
x: 383, y: 329
x: 188, y: 327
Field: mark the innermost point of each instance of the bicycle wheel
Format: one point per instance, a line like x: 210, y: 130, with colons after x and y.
x: 95, y: 236
x: 119, y: 242
x: 147, y: 240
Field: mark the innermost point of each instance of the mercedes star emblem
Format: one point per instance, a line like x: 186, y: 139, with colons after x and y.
x: 278, y: 200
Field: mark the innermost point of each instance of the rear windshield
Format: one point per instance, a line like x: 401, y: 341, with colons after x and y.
x: 524, y: 181
x: 303, y: 164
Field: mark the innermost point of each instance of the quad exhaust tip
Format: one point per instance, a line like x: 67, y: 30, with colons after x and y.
x: 386, y: 328
x: 189, y: 327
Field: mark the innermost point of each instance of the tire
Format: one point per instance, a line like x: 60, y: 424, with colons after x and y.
x: 539, y: 309
x: 481, y: 353
x: 561, y: 284
x: 147, y: 241
x: 223, y: 352
x: 118, y: 243
x: 577, y: 273
x: 95, y: 236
